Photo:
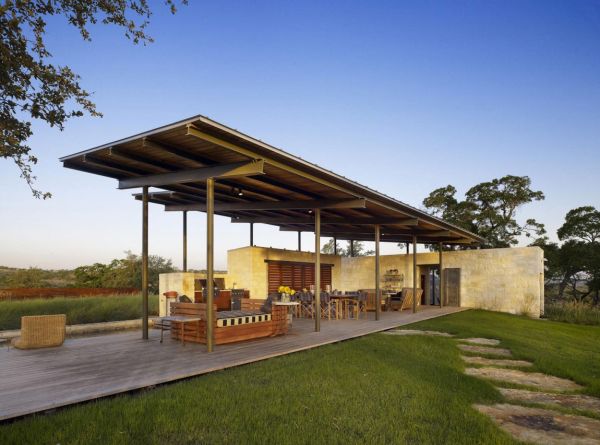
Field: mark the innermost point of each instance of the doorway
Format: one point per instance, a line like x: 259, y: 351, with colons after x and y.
x: 430, y: 283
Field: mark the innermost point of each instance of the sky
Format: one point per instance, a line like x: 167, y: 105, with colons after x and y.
x: 402, y: 96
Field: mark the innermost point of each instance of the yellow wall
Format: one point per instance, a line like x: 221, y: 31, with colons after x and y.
x: 507, y: 280
x: 247, y: 268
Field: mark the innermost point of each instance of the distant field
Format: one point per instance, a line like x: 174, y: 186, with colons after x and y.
x: 78, y: 310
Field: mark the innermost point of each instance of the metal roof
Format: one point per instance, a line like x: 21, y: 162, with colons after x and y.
x: 199, y: 142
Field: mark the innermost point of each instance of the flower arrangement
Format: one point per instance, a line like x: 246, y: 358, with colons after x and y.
x: 285, y: 292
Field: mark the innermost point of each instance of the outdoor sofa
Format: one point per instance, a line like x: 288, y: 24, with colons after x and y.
x: 41, y: 331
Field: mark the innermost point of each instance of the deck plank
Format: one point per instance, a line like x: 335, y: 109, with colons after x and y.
x: 85, y: 369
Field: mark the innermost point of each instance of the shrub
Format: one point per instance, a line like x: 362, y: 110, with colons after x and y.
x: 573, y: 312
x: 78, y: 310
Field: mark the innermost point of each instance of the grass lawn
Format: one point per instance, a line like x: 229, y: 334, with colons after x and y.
x: 78, y: 310
x: 375, y: 389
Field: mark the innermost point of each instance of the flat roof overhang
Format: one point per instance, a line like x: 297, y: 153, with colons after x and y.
x: 255, y: 182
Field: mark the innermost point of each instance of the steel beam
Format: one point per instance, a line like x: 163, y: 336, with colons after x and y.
x: 145, y: 263
x: 275, y: 205
x: 210, y: 289
x: 184, y: 241
x: 377, y: 278
x: 317, y: 270
x: 441, y: 247
x: 351, y: 221
x: 414, y: 303
x: 195, y: 175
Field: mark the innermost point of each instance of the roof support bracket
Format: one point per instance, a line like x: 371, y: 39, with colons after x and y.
x: 195, y: 175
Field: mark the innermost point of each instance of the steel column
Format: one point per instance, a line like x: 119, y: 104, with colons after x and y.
x: 351, y: 247
x: 210, y: 289
x: 407, y: 244
x: 377, y: 279
x: 414, y: 303
x: 299, y: 241
x: 145, y: 263
x: 334, y: 245
x: 441, y: 275
x: 185, y: 240
x: 317, y: 270
x: 251, y: 234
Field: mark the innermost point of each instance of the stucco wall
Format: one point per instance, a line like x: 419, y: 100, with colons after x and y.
x: 182, y: 283
x: 247, y: 268
x: 507, y: 280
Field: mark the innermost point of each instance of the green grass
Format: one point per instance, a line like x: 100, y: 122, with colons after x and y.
x: 562, y: 349
x: 573, y: 312
x: 78, y: 310
x: 372, y: 390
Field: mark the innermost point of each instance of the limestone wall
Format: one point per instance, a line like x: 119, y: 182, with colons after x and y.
x: 507, y: 280
x: 247, y: 268
x: 182, y: 283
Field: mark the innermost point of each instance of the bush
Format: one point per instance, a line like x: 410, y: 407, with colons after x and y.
x: 573, y: 312
x: 78, y: 310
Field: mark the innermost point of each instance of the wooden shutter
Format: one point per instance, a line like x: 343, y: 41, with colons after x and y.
x: 296, y: 275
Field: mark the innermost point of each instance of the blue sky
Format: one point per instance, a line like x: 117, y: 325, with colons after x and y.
x: 434, y: 93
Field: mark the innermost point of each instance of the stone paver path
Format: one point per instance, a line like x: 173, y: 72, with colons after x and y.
x: 575, y: 401
x: 485, y: 350
x: 481, y: 341
x: 535, y: 379
x: 543, y: 426
x: 474, y: 360
x: 534, y: 425
x: 417, y: 332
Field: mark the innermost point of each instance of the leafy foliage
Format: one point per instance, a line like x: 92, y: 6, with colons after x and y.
x: 358, y: 249
x: 575, y: 264
x: 489, y: 209
x: 33, y: 88
x: 125, y: 272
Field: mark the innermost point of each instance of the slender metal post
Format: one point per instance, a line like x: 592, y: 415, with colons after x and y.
x: 414, y: 303
x: 185, y: 240
x: 145, y: 263
x: 441, y: 276
x: 407, y: 244
x: 251, y: 234
x: 299, y: 240
x: 351, y: 247
x: 377, y: 279
x: 210, y: 289
x: 317, y: 270
x: 334, y: 245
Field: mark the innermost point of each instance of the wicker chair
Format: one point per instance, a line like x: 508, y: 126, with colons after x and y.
x: 41, y: 331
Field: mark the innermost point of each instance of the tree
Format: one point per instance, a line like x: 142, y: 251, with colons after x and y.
x: 33, y: 88
x: 582, y: 223
x: 359, y: 249
x: 124, y: 272
x: 489, y: 209
x: 582, y: 229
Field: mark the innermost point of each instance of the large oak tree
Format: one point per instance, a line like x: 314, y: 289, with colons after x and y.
x: 31, y: 87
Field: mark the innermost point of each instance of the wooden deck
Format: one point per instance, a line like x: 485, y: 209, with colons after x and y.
x: 85, y: 369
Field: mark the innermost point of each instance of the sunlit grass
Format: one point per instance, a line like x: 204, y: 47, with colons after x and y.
x: 372, y: 390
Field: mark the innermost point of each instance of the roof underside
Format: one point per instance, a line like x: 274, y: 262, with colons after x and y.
x: 200, y: 142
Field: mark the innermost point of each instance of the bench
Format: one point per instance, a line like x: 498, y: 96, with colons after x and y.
x: 229, y: 326
x: 41, y: 331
